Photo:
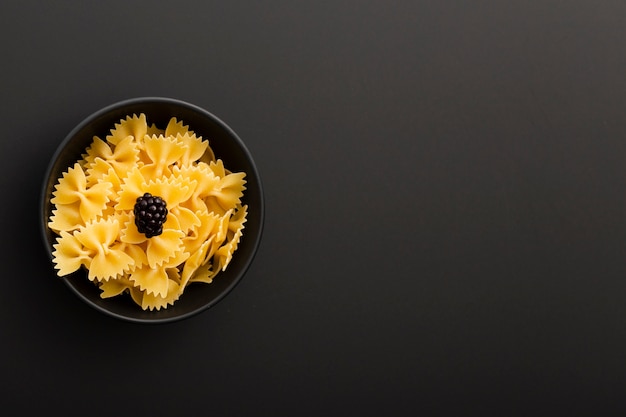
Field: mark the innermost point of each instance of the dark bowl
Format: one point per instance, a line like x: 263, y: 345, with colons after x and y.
x: 226, y: 146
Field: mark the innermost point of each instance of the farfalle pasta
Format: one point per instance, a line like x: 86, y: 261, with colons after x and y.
x: 97, y: 209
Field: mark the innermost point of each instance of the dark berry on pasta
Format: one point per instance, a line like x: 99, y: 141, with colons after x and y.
x: 150, y: 214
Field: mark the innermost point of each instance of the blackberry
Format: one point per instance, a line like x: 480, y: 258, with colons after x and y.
x: 150, y: 214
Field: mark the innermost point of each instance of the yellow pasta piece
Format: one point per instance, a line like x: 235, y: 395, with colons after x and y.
x: 163, y: 247
x: 135, y: 126
x: 194, y: 261
x: 187, y: 218
x: 96, y: 171
x: 155, y: 302
x: 205, y: 180
x: 230, y: 230
x: 163, y: 152
x: 114, y: 287
x: 238, y: 219
x: 154, y: 281
x: 109, y: 263
x: 153, y: 130
x: 201, y: 233
x: 204, y: 273
x: 211, y: 204
x: 159, y: 249
x: 222, y: 227
x: 229, y: 190
x: 113, y: 178
x: 131, y: 188
x: 174, y: 190
x: 72, y: 187
x: 195, y: 148
x: 69, y: 254
x: 136, y: 252
x: 151, y: 280
x: 98, y: 235
x: 207, y: 157
x: 109, y: 259
x: 136, y: 295
x: 176, y: 127
x: 66, y: 217
x: 115, y: 184
x: 122, y: 157
x: 218, y: 168
x: 95, y: 150
x: 218, y: 235
x: 224, y: 254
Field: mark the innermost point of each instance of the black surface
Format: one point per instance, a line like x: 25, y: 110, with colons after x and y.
x: 444, y: 186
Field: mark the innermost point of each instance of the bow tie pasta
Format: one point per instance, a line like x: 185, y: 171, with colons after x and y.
x: 168, y: 181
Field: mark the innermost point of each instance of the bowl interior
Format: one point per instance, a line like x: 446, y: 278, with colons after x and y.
x: 226, y: 146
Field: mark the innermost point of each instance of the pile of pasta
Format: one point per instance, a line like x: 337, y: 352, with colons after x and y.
x: 93, y: 212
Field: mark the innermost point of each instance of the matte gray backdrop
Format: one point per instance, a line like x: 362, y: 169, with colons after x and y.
x: 445, y: 191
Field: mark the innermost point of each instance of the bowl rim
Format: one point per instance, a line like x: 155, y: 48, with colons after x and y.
x: 163, y: 100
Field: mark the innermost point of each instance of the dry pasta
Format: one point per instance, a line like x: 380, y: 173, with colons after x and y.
x: 96, y: 223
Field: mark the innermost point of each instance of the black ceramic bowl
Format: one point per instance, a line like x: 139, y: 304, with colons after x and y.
x: 226, y: 146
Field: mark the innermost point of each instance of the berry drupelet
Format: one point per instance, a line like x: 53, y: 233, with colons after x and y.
x: 150, y: 214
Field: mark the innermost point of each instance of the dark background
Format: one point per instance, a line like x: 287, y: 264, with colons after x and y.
x: 445, y: 195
